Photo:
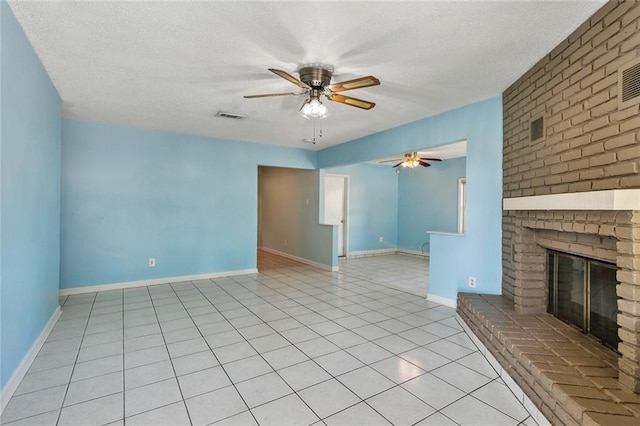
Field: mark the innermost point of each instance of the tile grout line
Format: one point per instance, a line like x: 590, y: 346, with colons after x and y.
x: 331, y: 376
x: 368, y: 365
x: 247, y: 341
x: 170, y: 359
x: 211, y: 349
x: 62, y: 406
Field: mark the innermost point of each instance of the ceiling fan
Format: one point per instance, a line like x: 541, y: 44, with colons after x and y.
x: 412, y: 160
x: 315, y: 81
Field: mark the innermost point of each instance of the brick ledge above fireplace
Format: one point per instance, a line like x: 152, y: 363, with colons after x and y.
x: 615, y: 199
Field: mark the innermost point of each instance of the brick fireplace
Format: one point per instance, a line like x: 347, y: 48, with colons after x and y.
x: 571, y: 183
x: 609, y: 235
x: 573, y: 186
x: 569, y: 376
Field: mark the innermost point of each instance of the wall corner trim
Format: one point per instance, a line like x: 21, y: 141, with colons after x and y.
x: 17, y: 376
x: 155, y: 281
x: 441, y: 300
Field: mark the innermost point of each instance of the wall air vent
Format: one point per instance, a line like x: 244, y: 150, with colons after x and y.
x: 230, y: 115
x: 629, y: 84
x: 536, y: 128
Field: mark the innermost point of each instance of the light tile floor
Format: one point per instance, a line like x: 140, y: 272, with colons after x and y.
x: 292, y: 345
x: 405, y: 272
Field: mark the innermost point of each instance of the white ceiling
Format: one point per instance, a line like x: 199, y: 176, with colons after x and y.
x: 173, y: 65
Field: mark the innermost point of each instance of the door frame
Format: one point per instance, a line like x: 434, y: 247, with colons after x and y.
x: 259, y: 212
x: 462, y: 204
x: 345, y: 206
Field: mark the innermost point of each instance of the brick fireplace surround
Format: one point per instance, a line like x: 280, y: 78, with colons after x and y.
x: 570, y: 377
x: 575, y: 188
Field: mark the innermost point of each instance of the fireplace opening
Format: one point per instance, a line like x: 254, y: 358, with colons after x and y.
x: 582, y: 292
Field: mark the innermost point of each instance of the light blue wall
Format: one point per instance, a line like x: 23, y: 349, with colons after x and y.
x: 373, y: 206
x: 290, y: 211
x: 477, y: 253
x: 428, y: 201
x: 30, y: 200
x: 129, y: 194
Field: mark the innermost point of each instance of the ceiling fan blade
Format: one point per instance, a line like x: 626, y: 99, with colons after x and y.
x: 430, y: 159
x: 398, y: 164
x: 389, y: 161
x: 274, y: 94
x: 290, y: 78
x: 423, y: 164
x: 348, y: 100
x: 356, y: 83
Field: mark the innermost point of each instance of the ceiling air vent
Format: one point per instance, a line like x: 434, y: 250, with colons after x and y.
x: 629, y: 84
x: 230, y: 115
x: 536, y: 128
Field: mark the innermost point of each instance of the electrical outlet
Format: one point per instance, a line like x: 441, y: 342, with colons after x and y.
x: 472, y: 282
x: 152, y: 262
x: 381, y: 239
x: 285, y: 242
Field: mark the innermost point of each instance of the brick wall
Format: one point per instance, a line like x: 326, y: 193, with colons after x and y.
x: 589, y: 144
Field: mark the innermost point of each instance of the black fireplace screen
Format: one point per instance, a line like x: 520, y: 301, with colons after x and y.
x: 582, y: 292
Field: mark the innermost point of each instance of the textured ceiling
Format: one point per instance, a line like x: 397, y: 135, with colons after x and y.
x: 173, y: 65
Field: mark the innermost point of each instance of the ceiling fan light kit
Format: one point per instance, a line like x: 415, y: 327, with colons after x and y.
x: 411, y: 164
x: 313, y: 107
x: 315, y: 81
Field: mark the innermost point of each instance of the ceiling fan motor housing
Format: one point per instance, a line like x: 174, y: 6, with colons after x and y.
x: 315, y: 77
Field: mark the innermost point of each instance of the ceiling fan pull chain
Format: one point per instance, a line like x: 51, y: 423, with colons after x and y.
x: 314, y: 131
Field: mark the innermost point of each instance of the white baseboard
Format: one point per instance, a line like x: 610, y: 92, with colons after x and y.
x: 17, y: 376
x: 383, y: 252
x: 413, y: 252
x: 441, y: 300
x: 155, y: 281
x: 369, y: 253
x: 535, y: 413
x: 301, y: 259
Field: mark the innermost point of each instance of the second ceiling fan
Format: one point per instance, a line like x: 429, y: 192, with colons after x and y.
x: 412, y: 160
x: 315, y: 81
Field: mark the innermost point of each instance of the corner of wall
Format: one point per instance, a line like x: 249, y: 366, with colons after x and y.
x: 30, y: 140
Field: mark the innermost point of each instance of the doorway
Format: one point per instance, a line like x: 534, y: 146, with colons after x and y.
x: 336, y: 202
